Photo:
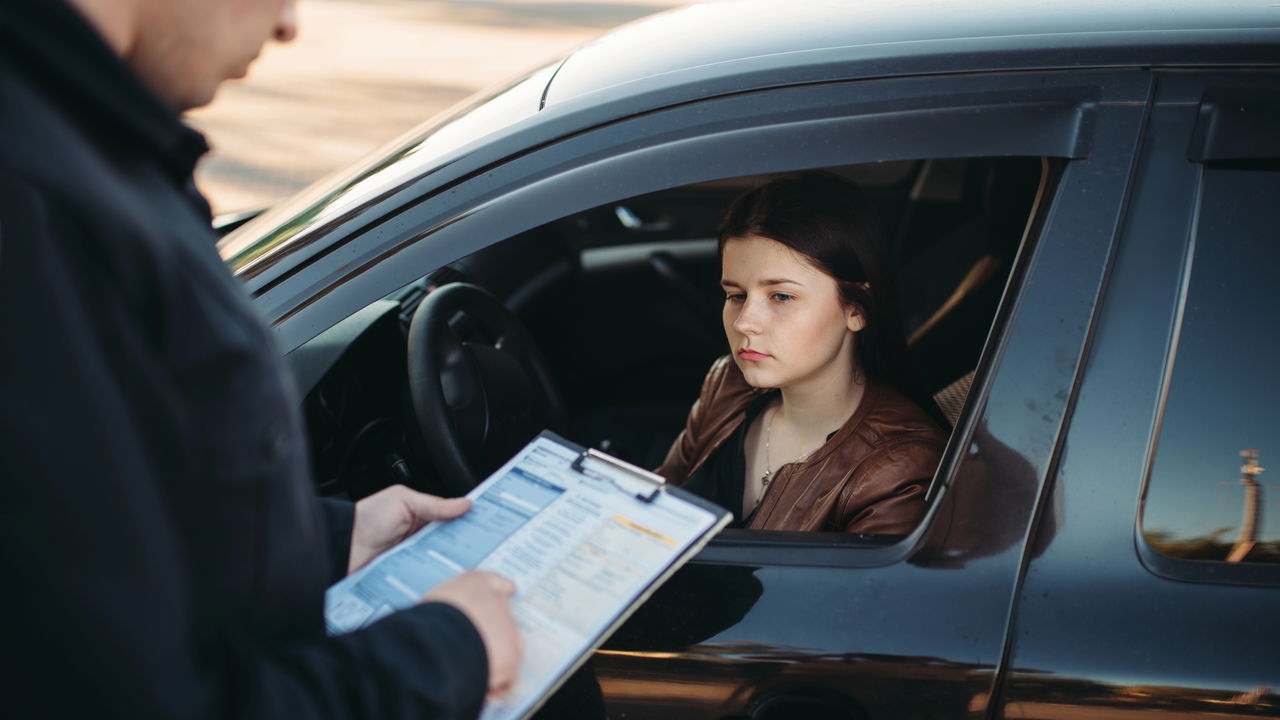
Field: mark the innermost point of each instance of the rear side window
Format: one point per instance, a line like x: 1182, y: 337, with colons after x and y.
x: 1210, y: 495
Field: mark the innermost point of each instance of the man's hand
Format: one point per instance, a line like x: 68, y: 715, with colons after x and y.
x: 485, y: 598
x: 391, y: 515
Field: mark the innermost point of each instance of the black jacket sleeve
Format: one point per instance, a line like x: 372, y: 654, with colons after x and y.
x: 339, y: 521
x: 109, y: 606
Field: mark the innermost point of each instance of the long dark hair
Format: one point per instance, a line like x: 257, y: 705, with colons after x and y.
x: 832, y: 223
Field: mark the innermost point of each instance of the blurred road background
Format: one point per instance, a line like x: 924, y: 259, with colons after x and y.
x: 362, y: 72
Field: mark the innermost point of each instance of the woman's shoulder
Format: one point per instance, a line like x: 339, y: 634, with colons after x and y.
x: 892, y: 419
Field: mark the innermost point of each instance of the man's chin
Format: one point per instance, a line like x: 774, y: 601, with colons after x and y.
x: 198, y: 97
x: 203, y: 93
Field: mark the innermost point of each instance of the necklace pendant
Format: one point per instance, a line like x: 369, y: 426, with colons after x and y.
x: 764, y: 479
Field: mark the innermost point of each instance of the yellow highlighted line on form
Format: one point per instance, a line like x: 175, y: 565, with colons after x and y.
x: 645, y: 530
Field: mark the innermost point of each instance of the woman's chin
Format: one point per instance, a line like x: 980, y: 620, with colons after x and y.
x: 757, y: 377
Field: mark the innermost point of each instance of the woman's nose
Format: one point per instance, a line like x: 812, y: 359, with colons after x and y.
x: 748, y: 320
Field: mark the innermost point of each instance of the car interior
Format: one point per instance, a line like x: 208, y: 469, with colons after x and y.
x: 616, y: 310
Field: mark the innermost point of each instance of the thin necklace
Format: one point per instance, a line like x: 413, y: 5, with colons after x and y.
x: 768, y: 465
x: 767, y: 477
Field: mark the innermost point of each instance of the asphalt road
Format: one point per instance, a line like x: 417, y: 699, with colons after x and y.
x: 363, y: 72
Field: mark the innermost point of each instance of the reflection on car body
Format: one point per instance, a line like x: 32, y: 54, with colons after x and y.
x: 1083, y: 205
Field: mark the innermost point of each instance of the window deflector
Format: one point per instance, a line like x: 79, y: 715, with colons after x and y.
x: 1237, y: 125
x: 921, y: 118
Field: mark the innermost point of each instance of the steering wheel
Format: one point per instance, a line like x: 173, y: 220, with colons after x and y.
x: 480, y: 388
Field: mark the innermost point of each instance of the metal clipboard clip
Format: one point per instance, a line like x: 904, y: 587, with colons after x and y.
x: 632, y: 480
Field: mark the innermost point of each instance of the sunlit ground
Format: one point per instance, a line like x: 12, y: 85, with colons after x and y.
x: 362, y: 72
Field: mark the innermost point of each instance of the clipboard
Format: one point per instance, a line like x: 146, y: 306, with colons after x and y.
x: 586, y: 537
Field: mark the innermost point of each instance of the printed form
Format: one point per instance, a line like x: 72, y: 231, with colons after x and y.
x: 580, y: 547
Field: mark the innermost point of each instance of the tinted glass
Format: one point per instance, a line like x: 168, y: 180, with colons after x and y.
x: 1209, y: 491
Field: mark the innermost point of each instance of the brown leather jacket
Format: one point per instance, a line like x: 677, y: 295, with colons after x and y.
x: 870, y: 477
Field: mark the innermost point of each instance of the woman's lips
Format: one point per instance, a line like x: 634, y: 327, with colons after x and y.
x: 749, y: 354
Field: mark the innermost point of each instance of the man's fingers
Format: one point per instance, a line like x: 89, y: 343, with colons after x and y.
x: 429, y: 508
x: 484, y: 597
x: 502, y: 584
x: 496, y: 693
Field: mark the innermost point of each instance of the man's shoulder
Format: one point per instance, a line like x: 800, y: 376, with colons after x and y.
x: 124, y: 197
x: 39, y: 144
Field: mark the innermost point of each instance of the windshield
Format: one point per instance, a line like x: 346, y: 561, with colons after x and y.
x: 386, y: 169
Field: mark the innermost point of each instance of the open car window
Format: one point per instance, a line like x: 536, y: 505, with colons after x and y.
x: 624, y: 301
x: 633, y: 333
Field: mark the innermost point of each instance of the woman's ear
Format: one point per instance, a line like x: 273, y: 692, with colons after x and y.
x: 857, y: 319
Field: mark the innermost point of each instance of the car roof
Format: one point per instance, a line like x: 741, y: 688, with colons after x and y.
x: 707, y: 43
x: 721, y: 48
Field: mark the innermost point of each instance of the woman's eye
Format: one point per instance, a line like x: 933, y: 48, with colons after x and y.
x: 783, y: 297
x: 735, y: 297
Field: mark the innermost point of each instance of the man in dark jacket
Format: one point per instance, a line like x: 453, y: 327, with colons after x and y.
x: 163, y: 552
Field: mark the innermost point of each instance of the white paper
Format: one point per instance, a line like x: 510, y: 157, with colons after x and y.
x: 580, y: 549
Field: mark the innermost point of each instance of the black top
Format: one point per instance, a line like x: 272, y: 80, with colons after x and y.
x: 163, y: 550
x: 722, y: 478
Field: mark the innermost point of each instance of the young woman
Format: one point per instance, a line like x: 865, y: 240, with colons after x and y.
x: 812, y: 422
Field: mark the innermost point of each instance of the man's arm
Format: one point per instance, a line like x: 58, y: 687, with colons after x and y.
x: 107, y: 610
x: 339, y: 520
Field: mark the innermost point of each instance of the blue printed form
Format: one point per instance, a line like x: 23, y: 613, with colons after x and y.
x: 581, y: 545
x: 436, y: 553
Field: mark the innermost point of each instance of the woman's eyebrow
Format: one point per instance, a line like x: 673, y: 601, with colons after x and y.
x: 726, y: 282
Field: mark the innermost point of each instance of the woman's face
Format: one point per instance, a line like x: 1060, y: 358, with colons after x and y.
x: 786, y: 323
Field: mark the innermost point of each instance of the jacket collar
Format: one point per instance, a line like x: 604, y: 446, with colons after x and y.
x: 736, y: 401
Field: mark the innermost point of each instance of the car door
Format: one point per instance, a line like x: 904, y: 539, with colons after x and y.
x: 1156, y: 589
x: 818, y: 625
x: 790, y: 625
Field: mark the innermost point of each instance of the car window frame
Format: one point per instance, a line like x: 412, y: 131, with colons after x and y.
x: 1213, y: 110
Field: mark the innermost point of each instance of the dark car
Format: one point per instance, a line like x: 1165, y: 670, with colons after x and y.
x: 1084, y: 200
